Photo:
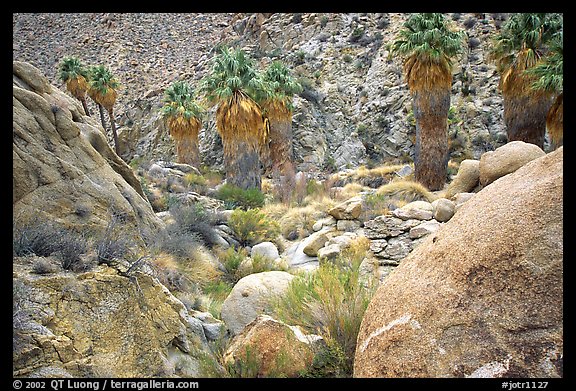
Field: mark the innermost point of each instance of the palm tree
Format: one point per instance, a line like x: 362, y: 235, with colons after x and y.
x: 278, y: 108
x: 103, y: 88
x: 183, y: 117
x: 232, y: 84
x: 520, y: 45
x: 428, y: 45
x: 73, y: 73
x: 550, y: 77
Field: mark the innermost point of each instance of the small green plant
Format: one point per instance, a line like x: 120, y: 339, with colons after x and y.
x: 252, y: 226
x: 231, y: 260
x: 195, y: 182
x: 347, y: 58
x: 237, y: 197
x: 323, y: 21
x: 331, y: 302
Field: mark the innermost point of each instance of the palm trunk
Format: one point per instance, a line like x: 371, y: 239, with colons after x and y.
x: 187, y: 151
x: 102, y: 117
x: 85, y: 106
x: 555, y: 122
x: 243, y: 167
x: 431, y: 153
x: 525, y: 117
x: 114, y: 134
x: 281, y: 150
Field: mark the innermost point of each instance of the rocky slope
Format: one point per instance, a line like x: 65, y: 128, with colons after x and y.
x: 355, y: 108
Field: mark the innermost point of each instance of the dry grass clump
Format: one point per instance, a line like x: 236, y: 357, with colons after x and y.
x: 297, y: 222
x: 406, y: 190
x: 350, y: 190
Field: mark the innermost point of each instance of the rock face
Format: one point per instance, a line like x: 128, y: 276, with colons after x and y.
x: 64, y: 170
x: 483, y: 295
x: 102, y: 324
x: 251, y: 296
x: 467, y: 178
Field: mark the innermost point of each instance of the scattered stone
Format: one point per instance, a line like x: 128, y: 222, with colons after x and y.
x: 329, y: 253
x: 424, y: 229
x: 420, y: 210
x: 347, y: 210
x: 348, y: 225
x: 444, y: 209
x: 265, y: 249
x: 466, y: 179
x: 316, y: 241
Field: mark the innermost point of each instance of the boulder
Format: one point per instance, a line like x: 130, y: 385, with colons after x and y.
x: 506, y: 159
x: 347, y: 210
x: 466, y: 179
x: 483, y: 295
x: 251, y: 296
x: 265, y: 249
x: 419, y: 210
x: 444, y: 209
x: 316, y: 241
x: 270, y: 348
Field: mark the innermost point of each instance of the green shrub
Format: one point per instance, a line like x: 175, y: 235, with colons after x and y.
x: 330, y: 302
x: 196, y: 182
x: 236, y: 197
x: 252, y: 226
x: 231, y: 260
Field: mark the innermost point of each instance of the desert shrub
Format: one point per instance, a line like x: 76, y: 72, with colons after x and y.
x: 115, y: 241
x: 167, y: 271
x: 42, y: 266
x: 331, y: 302
x: 231, y: 260
x: 217, y: 292
x: 252, y: 226
x: 194, y: 219
x: 35, y: 237
x: 236, y: 197
x: 44, y: 238
x: 196, y: 182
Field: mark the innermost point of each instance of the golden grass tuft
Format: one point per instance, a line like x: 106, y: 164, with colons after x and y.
x: 406, y: 190
x: 201, y: 266
x: 350, y: 190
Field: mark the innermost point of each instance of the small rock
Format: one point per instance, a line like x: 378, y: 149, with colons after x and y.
x: 347, y: 210
x: 466, y: 179
x: 424, y: 229
x: 420, y: 210
x: 444, y: 209
x: 347, y: 225
x: 329, y: 253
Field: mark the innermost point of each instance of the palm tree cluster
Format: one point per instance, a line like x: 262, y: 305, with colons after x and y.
x: 528, y: 55
x: 95, y: 81
x: 254, y: 107
x: 253, y: 115
x: 529, y: 82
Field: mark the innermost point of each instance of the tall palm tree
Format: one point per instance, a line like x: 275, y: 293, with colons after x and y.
x: 550, y: 77
x: 520, y: 45
x: 183, y: 117
x: 232, y: 84
x: 75, y: 75
x: 103, y: 90
x: 278, y: 108
x: 427, y: 46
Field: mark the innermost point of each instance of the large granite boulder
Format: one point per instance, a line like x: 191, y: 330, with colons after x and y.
x: 482, y: 296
